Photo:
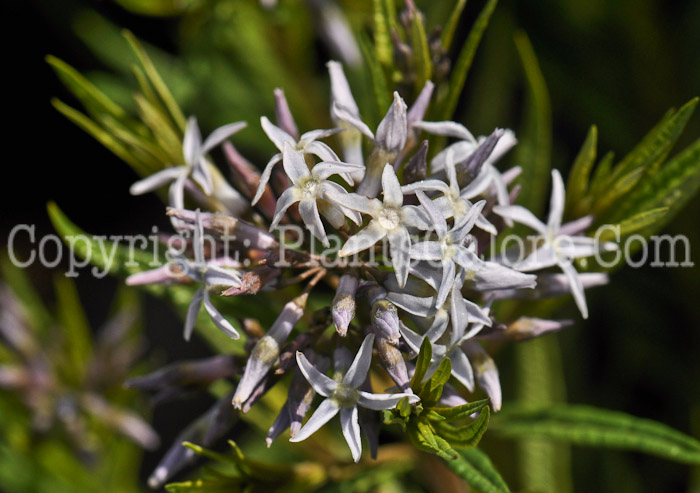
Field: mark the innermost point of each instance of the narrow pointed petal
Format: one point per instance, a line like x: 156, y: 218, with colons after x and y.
x: 218, y: 319
x: 278, y: 136
x: 328, y: 168
x: 363, y: 239
x: 219, y: 276
x: 156, y: 180
x: 343, y: 113
x: 446, y: 129
x: 575, y: 285
x: 416, y: 168
x: 320, y: 382
x: 485, y: 371
x: 448, y: 277
x: 413, y: 339
x: 521, y: 215
x: 543, y: 257
x: 352, y: 201
x: 426, y: 250
x: 436, y: 217
x: 556, y: 206
x: 313, y: 135
x: 400, y: 243
x: 378, y: 402
x: 192, y: 312
x: 426, y: 185
x: 294, y: 163
x: 420, y: 105
x: 192, y: 141
x: 286, y: 200
x: 340, y: 88
x: 308, y: 210
x: 357, y: 373
x: 462, y: 368
x: 283, y: 114
x: 323, y: 414
x: 176, y: 193
x: 221, y: 134
x: 265, y: 177
x: 281, y: 423
x: 351, y: 431
x: 393, y: 196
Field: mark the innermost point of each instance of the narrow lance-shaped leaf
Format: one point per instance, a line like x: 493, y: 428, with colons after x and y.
x: 534, y: 150
x: 590, y: 426
x: 450, y: 27
x: 464, y: 61
x: 421, y: 52
x: 476, y: 468
x: 382, y: 96
x: 580, y: 173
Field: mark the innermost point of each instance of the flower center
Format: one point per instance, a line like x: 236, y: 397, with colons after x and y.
x: 345, y: 395
x: 309, y: 187
x: 389, y: 218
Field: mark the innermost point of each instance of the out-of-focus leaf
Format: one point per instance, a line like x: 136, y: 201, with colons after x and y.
x: 380, y: 88
x: 636, y: 223
x: 590, y: 426
x: 159, y: 8
x: 382, y: 40
x: 121, y: 261
x: 671, y: 187
x: 32, y: 307
x: 580, y: 173
x: 449, y: 28
x: 461, y: 68
x: 534, y: 151
x: 156, y: 81
x: 421, y: 52
x: 77, y: 338
x: 600, y: 176
x: 476, y: 468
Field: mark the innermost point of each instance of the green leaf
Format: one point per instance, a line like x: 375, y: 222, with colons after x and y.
x: 671, y: 187
x: 156, y: 81
x: 536, y: 144
x: 425, y: 355
x: 577, y: 184
x: 448, y: 31
x: 466, y: 436
x: 380, y: 88
x: 421, y: 51
x: 119, y: 260
x: 92, y: 98
x: 77, y: 340
x: 164, y: 8
x: 636, y: 223
x: 382, y: 40
x: 436, y: 383
x: 460, y: 412
x: 458, y: 77
x: 33, y: 308
x: 476, y: 468
x: 423, y: 436
x: 601, y: 175
x: 590, y: 426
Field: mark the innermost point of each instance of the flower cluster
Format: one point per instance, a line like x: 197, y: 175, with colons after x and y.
x: 438, y: 279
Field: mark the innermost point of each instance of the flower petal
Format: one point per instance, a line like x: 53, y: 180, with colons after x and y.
x: 462, y: 368
x: 393, y: 196
x: 294, y: 163
x: 575, y: 285
x: 556, y: 206
x: 393, y: 129
x: 191, y: 144
x: 521, y: 215
x: 265, y: 177
x: 377, y: 402
x: 357, y: 373
x: 434, y: 214
x: 345, y: 114
x: 363, y: 239
x: 320, y: 382
x: 220, y: 134
x: 285, y: 201
x: 323, y: 414
x: 351, y: 431
x: 278, y: 136
x: 218, y: 319
x: 157, y: 180
x: 400, y: 243
x: 446, y: 129
x: 308, y: 210
x: 192, y: 312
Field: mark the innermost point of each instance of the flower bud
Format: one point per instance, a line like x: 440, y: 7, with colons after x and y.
x: 469, y: 168
x: 393, y: 362
x: 385, y: 320
x: 343, y: 305
x: 283, y: 115
x: 416, y: 168
x: 485, y: 371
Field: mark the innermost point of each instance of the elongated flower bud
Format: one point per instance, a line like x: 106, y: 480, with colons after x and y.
x: 267, y: 349
x: 283, y: 115
x: 485, y: 372
x: 343, y: 305
x: 385, y: 321
x: 417, y: 167
x: 468, y: 169
x: 393, y: 362
x: 247, y: 177
x: 526, y: 328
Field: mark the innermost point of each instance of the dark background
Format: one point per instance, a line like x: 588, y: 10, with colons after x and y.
x: 619, y: 65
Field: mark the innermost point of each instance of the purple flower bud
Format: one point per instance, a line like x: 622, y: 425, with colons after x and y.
x: 393, y: 362
x: 283, y: 115
x: 343, y: 305
x: 468, y: 169
x: 267, y: 349
x: 385, y: 320
x: 416, y: 168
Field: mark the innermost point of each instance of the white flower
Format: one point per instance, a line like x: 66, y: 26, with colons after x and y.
x: 308, y: 144
x: 344, y: 397
x: 390, y: 219
x: 210, y: 276
x: 196, y: 167
x: 453, y: 202
x: 310, y: 189
x: 555, y: 248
